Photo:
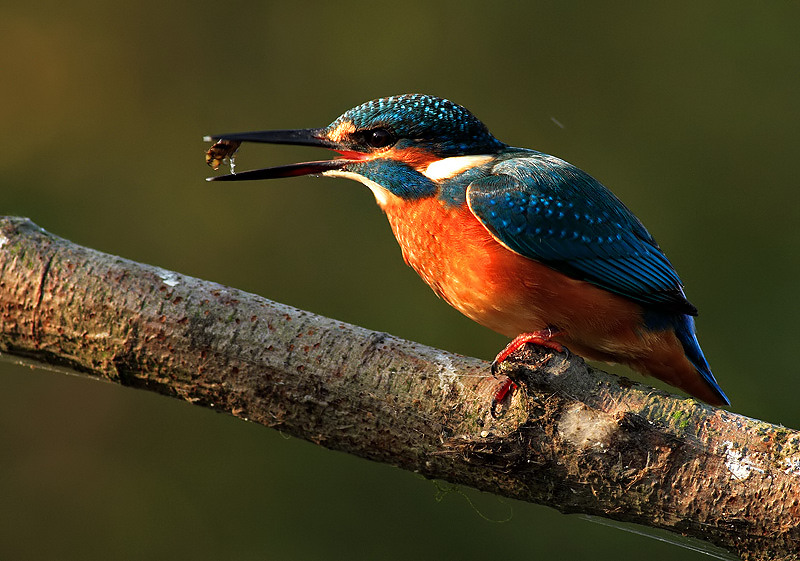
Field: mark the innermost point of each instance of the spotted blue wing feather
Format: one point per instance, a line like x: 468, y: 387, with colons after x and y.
x: 548, y: 210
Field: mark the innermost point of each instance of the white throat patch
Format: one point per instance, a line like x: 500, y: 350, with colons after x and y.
x: 382, y: 195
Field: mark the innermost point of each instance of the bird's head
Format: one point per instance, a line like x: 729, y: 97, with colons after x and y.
x: 401, y: 144
x: 394, y: 126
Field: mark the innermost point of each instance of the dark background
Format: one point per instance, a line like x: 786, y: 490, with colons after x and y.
x: 688, y: 111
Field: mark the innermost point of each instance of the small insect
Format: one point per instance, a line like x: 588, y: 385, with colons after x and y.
x: 220, y: 151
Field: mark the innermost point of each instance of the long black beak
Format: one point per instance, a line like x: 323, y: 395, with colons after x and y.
x: 303, y: 137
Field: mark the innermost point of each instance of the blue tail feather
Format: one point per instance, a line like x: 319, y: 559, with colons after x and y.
x: 685, y: 331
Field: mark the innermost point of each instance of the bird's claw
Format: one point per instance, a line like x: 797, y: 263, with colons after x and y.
x: 508, y: 386
x: 541, y: 338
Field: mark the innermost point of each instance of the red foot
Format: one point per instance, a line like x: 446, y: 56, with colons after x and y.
x: 542, y: 338
x: 507, y: 386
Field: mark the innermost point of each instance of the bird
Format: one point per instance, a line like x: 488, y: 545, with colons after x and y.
x: 520, y: 241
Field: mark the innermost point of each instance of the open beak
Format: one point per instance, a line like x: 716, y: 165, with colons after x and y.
x: 227, y: 144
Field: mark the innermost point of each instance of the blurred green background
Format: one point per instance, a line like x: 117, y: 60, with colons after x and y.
x: 688, y: 111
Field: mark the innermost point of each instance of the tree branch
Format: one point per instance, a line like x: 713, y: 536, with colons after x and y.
x: 572, y: 437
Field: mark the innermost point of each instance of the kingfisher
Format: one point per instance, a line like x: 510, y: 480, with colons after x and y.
x: 522, y: 242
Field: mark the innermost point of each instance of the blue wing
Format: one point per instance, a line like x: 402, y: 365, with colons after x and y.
x: 548, y: 210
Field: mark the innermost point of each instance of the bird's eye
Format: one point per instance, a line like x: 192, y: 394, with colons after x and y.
x: 378, y: 138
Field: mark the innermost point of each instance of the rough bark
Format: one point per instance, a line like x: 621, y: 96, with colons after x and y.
x: 571, y: 437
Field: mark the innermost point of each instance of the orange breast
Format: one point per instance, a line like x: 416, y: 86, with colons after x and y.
x: 511, y: 294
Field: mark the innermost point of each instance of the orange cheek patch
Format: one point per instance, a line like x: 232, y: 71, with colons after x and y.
x: 415, y: 158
